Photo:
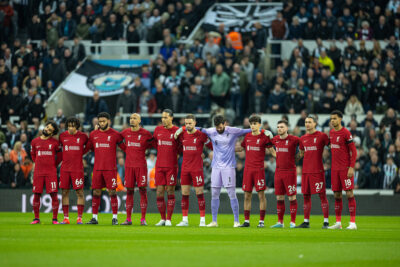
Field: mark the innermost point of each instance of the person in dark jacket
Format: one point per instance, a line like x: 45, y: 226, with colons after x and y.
x: 6, y: 170
x: 17, y: 179
x: 67, y: 27
x: 113, y: 29
x: 276, y: 100
x: 36, y: 111
x: 57, y: 71
x: 94, y: 106
x: 127, y: 102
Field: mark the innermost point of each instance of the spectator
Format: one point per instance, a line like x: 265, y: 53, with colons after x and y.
x: 6, y: 170
x: 259, y: 93
x: 59, y: 117
x: 18, y: 154
x: 78, y: 51
x: 276, y: 100
x: 15, y: 103
x: 365, y: 33
x: 147, y: 103
x: 326, y: 61
x: 374, y: 177
x: 161, y: 97
x: 210, y: 48
x: 18, y: 180
x: 127, y: 102
x: 176, y: 99
x: 12, y: 135
x: 294, y: 102
x: 381, y: 29
x: 83, y: 29
x: 259, y: 36
x: 94, y: 106
x: 279, y: 29
x: 296, y: 30
x: 238, y: 89
x: 67, y: 27
x: 132, y: 37
x: 167, y: 48
x: 113, y: 29
x: 97, y: 30
x: 354, y: 106
x: 220, y: 86
x: 35, y: 29
x: 192, y: 101
x: 57, y: 71
x: 36, y: 111
x: 360, y: 178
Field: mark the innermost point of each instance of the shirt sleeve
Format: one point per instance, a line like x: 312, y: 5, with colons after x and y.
x: 237, y: 131
x: 301, y: 146
x: 326, y: 140
x: 349, y: 138
x: 58, y: 153
x: 268, y: 142
x: 243, y: 143
x: 33, y: 151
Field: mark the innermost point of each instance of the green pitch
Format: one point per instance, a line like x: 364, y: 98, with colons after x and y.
x: 377, y: 242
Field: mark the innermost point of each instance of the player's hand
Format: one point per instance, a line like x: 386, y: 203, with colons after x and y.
x: 178, y: 132
x: 350, y: 173
x: 268, y: 134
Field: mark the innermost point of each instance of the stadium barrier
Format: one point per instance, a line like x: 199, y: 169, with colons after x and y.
x: 369, y: 202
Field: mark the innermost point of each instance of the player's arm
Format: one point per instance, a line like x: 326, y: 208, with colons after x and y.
x: 299, y: 155
x: 120, y: 142
x: 237, y: 131
x: 178, y: 132
x: 58, y: 154
x: 353, y: 151
x: 272, y: 151
x: 33, y: 153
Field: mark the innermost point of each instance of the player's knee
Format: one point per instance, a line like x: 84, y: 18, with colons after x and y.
x: 338, y: 195
x: 291, y: 198
x: 97, y: 192
x: 170, y: 191
x: 79, y: 193
x: 65, y: 192
x: 142, y: 189
x: 113, y: 192
x: 349, y: 194
x: 280, y: 197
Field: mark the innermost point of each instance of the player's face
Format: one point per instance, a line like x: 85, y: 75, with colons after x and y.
x: 335, y: 120
x: 255, y: 126
x: 48, y: 130
x: 190, y: 124
x: 282, y: 129
x: 103, y: 123
x: 166, y: 119
x: 72, y: 128
x: 220, y: 128
x: 134, y: 120
x: 310, y: 124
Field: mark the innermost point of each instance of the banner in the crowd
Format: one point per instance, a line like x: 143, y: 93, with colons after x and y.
x: 91, y: 76
x: 242, y: 16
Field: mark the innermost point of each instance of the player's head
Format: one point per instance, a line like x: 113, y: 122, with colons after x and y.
x: 255, y: 123
x: 50, y: 129
x: 104, y: 120
x: 166, y: 117
x: 220, y: 123
x: 336, y: 118
x: 72, y: 125
x: 282, y: 127
x: 310, y: 123
x: 190, y: 122
x: 134, y: 120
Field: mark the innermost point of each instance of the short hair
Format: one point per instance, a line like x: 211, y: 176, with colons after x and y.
x: 169, y: 112
x: 74, y: 121
x: 104, y: 115
x: 312, y: 117
x: 338, y: 113
x: 190, y: 117
x: 255, y: 118
x: 54, y: 125
x: 219, y: 119
x: 284, y: 122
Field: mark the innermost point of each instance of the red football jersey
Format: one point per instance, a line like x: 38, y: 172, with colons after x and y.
x: 340, y: 142
x: 255, y: 149
x: 136, y: 143
x: 43, y: 153
x: 286, y: 151
x: 104, y: 145
x: 313, y: 146
x: 73, y: 147
x: 192, y: 146
x: 167, y: 146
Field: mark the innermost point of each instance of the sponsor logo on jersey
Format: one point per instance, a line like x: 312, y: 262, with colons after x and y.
x: 108, y: 138
x: 140, y: 136
x: 73, y: 148
x: 335, y: 146
x: 102, y: 145
x: 287, y: 142
x: 315, y: 140
x: 45, y: 153
x: 190, y: 148
x: 165, y: 143
x: 50, y: 146
x: 283, y: 149
x: 310, y: 148
x: 253, y: 148
x: 337, y: 139
x: 194, y: 141
x: 133, y: 144
x: 258, y: 141
x: 77, y: 140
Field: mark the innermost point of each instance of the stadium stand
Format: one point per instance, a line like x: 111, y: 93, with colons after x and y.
x: 221, y: 71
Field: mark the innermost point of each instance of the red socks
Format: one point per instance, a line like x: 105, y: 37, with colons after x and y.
x: 36, y: 205
x: 280, y: 209
x: 293, y: 210
x: 307, y: 207
x: 247, y: 215
x: 324, y: 205
x: 161, y: 207
x: 262, y: 215
x: 114, y: 204
x: 143, y: 202
x: 54, y: 204
x: 339, y: 208
x: 185, y: 205
x: 80, y: 210
x: 202, y: 205
x: 95, y: 204
x: 65, y: 210
x: 129, y: 205
x: 352, y: 209
x: 170, y: 206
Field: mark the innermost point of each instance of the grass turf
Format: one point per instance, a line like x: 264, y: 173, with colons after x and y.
x: 376, y: 242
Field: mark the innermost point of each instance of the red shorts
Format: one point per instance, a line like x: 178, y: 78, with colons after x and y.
x: 285, y: 182
x: 103, y: 179
x: 77, y: 179
x: 166, y: 175
x: 253, y: 177
x: 313, y: 183
x: 135, y: 175
x: 39, y: 180
x: 195, y: 178
x: 340, y: 181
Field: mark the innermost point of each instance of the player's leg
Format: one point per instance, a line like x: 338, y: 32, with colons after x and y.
x: 337, y: 189
x: 280, y: 198
x: 216, y: 184
x: 172, y: 174
x: 352, y: 209
x: 110, y: 178
x: 325, y: 208
x: 37, y: 189
x: 293, y: 210
x: 142, y: 184
x: 263, y: 207
x: 247, y: 187
x: 65, y: 184
x: 306, y: 190
x: 77, y: 184
x: 97, y: 185
x: 80, y: 203
x: 184, y: 203
x: 229, y: 182
x: 52, y: 189
x: 202, y: 204
x: 130, y: 187
x: 160, y: 190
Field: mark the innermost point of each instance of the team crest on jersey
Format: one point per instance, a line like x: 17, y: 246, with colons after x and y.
x: 315, y: 140
x: 287, y: 142
x: 194, y: 141
x: 140, y: 136
x: 337, y: 139
x: 77, y: 140
x: 258, y: 141
x: 50, y: 146
x: 108, y: 138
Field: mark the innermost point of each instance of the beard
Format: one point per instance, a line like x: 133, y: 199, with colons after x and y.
x: 45, y: 133
x: 221, y: 131
x: 105, y: 127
